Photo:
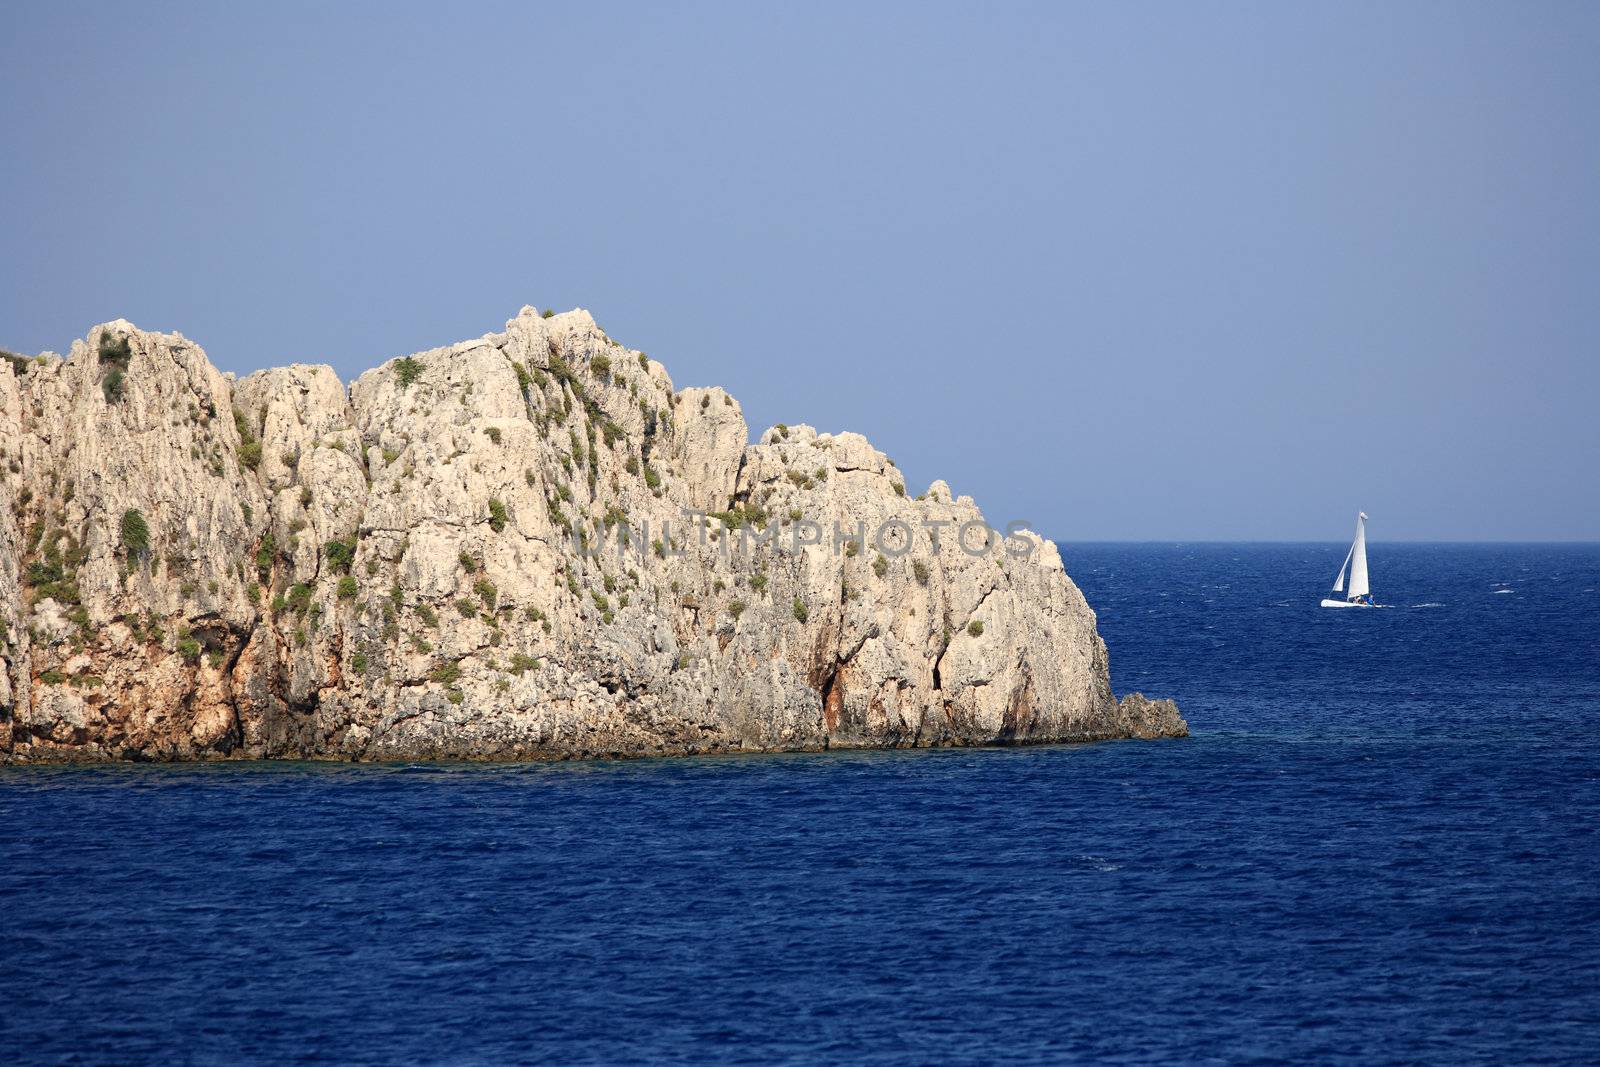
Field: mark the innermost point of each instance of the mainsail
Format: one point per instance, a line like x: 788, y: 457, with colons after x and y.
x: 1358, y: 559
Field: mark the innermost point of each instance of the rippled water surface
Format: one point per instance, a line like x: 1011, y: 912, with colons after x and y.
x: 1379, y: 845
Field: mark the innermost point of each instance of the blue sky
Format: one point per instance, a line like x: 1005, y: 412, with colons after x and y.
x: 1154, y: 271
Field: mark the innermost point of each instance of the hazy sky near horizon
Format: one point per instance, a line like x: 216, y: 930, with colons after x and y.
x: 1154, y: 271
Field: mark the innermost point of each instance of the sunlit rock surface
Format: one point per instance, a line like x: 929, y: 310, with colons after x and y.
x: 193, y: 568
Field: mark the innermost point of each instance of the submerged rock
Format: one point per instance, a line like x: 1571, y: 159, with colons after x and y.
x: 526, y: 545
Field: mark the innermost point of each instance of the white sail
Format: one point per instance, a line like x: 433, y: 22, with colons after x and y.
x: 1338, y: 583
x: 1358, y: 558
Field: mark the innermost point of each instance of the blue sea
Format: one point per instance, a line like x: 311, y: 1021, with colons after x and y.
x: 1380, y: 845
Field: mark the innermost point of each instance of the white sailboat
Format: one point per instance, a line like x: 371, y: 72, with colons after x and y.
x: 1355, y: 561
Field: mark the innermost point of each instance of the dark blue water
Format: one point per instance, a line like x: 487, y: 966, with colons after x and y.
x: 1382, y: 844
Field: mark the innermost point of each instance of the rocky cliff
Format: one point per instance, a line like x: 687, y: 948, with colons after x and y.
x: 525, y: 545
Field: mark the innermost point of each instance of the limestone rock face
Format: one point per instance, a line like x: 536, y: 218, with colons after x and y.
x: 526, y: 545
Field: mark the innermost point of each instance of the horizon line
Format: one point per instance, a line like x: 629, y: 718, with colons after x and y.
x: 1304, y: 541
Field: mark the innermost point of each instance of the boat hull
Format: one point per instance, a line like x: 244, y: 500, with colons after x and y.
x: 1344, y: 604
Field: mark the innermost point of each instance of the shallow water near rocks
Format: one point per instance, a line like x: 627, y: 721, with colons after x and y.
x: 1382, y: 843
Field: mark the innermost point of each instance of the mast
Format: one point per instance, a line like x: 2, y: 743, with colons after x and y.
x: 1358, y: 558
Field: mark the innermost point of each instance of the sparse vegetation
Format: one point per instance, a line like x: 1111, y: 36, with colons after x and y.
x: 340, y: 554
x: 744, y: 514
x: 920, y: 569
x: 801, y: 614
x: 264, y: 554
x: 486, y: 591
x: 445, y: 673
x: 601, y: 365
x: 880, y: 566
x: 135, y: 535
x: 975, y: 628
x: 497, y: 515
x: 347, y: 588
x: 115, y: 352
x: 299, y: 598
x: 407, y: 370
x: 520, y: 663
x: 736, y: 608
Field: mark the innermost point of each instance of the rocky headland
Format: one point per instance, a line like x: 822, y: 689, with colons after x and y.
x: 527, y: 545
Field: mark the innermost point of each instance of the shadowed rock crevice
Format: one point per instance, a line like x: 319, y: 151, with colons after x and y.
x: 407, y: 568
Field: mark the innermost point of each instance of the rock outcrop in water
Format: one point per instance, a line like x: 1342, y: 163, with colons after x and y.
x: 488, y: 551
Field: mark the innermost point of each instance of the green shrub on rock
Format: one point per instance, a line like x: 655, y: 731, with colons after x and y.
x: 407, y: 370
x: 115, y: 352
x: 264, y: 554
x: 135, y: 534
x: 340, y: 554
